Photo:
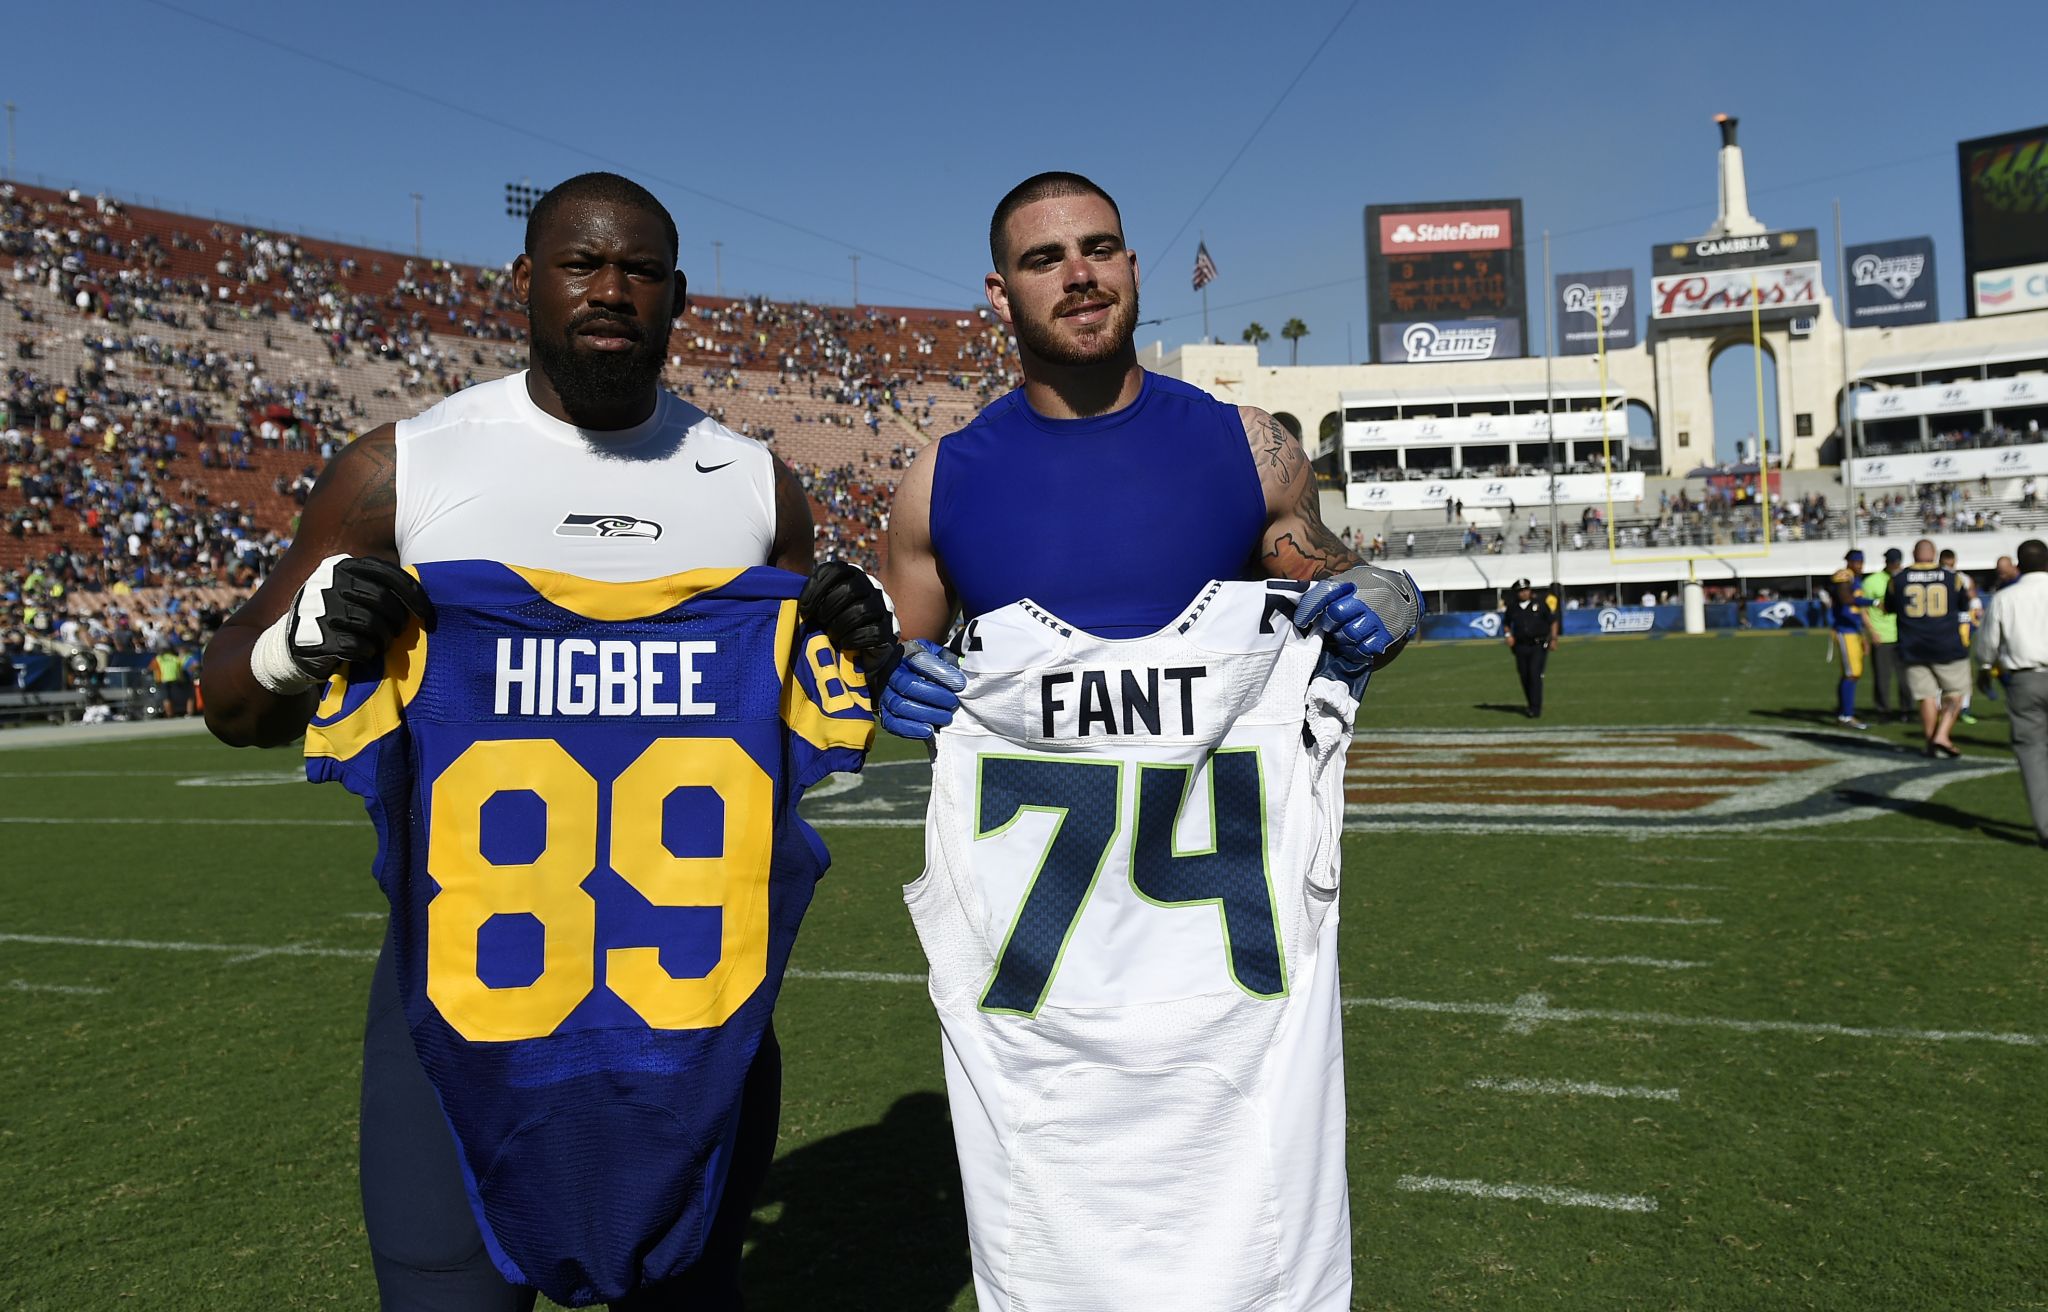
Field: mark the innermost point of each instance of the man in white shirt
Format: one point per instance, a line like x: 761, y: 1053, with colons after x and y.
x: 2014, y: 638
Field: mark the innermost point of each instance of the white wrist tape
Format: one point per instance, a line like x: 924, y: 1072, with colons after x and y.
x: 273, y: 664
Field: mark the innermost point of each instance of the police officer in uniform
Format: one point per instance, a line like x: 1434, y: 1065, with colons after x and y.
x: 1530, y: 628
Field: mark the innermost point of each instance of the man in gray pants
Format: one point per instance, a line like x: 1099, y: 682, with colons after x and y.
x: 2014, y: 640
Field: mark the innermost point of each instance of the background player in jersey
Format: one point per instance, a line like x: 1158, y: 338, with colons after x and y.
x: 1972, y: 620
x: 1931, y: 604
x: 1109, y: 496
x: 1846, y: 607
x: 1881, y: 635
x: 540, y: 469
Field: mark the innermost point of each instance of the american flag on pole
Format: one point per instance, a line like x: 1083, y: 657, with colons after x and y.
x: 1205, y: 268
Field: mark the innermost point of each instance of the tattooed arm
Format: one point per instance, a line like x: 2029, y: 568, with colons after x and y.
x: 1296, y: 544
x: 351, y: 511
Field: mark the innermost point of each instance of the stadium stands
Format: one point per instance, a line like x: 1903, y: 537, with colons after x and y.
x: 174, y: 385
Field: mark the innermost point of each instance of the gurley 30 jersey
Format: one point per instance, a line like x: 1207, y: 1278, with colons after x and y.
x: 1130, y: 907
x: 585, y: 802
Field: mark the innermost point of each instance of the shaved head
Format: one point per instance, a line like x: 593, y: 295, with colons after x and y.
x: 607, y: 188
x: 1037, y: 187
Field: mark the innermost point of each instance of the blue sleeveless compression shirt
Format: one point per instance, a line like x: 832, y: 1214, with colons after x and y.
x: 1112, y: 523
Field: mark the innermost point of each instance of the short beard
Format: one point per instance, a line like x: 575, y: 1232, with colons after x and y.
x: 1043, y: 341
x: 593, y: 382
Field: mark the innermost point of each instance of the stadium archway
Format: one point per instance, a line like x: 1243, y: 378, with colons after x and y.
x: 1732, y: 378
x: 1644, y: 452
x: 1289, y: 422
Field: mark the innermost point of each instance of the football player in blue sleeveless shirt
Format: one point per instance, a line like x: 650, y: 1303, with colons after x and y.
x: 1107, y: 494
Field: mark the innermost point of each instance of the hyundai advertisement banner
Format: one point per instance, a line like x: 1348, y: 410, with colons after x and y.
x: 1590, y: 303
x: 1892, y: 282
x: 1450, y: 339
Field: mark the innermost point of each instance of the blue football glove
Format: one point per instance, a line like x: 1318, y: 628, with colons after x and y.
x: 1366, y: 616
x: 922, y: 691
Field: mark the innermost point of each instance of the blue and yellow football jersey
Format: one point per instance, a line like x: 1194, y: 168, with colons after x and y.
x: 585, y: 802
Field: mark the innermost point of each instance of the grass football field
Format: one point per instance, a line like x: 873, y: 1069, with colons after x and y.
x: 1675, y: 999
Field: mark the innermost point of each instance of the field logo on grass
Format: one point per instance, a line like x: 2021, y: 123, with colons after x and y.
x: 1628, y: 782
x: 1634, y: 780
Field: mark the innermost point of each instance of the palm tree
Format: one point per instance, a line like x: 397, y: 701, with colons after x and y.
x: 1255, y: 332
x: 1294, y: 331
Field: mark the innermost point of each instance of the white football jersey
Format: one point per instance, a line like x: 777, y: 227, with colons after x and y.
x: 489, y: 475
x: 1130, y: 907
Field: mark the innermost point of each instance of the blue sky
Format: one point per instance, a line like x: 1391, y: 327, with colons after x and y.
x: 891, y: 128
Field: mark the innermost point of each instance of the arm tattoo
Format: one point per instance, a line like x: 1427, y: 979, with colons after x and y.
x: 1314, y: 552
x: 1274, y: 448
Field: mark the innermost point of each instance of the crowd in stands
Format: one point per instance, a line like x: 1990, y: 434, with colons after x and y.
x: 1419, y: 474
x: 173, y: 387
x: 1957, y: 439
x: 1944, y: 507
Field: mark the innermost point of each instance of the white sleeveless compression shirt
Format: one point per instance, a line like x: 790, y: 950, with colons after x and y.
x: 489, y: 475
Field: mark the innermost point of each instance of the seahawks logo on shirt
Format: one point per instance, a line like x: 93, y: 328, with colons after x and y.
x: 607, y: 526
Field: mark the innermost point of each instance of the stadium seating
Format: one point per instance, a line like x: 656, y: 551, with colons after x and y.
x: 199, y: 371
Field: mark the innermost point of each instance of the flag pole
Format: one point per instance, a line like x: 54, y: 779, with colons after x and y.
x: 1202, y: 243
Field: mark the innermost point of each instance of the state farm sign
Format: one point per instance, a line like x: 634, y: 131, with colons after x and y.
x: 1445, y: 230
x: 1775, y: 289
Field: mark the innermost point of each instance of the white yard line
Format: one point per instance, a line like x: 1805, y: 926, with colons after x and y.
x: 25, y: 986
x: 1570, y: 1088
x: 240, y: 951
x: 857, y: 976
x: 1655, y: 963
x: 1648, y: 920
x: 1682, y: 888
x: 1529, y: 1011
x: 1541, y: 1193
x: 237, y: 952
x: 1352, y: 826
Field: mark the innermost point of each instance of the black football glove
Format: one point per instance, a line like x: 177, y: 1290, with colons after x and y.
x: 349, y: 610
x: 849, y: 605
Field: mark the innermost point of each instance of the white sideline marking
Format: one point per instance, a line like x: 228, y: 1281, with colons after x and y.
x: 169, y: 820
x: 1542, y: 1193
x: 24, y: 986
x: 1655, y: 963
x: 1649, y: 920
x: 1562, y: 1087
x: 366, y: 915
x: 1530, y: 1009
x: 1683, y: 888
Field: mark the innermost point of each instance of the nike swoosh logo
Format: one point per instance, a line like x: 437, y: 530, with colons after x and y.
x: 703, y: 468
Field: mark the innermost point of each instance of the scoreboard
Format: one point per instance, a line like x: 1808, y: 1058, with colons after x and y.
x: 1449, y: 283
x: 1442, y: 263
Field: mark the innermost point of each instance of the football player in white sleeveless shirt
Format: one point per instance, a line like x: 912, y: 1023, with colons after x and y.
x: 582, y: 465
